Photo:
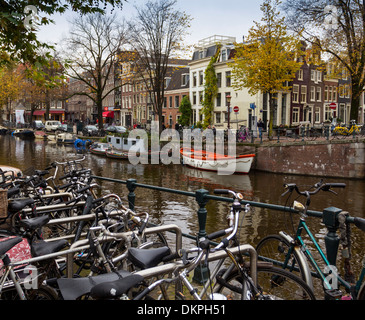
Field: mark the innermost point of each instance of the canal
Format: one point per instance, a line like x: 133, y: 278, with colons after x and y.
x: 178, y: 209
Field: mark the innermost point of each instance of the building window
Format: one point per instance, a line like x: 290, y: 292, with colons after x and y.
x: 313, y: 93
x: 317, y: 115
x: 327, y: 113
x: 224, y: 55
x: 228, y: 78
x: 319, y: 76
x: 300, y: 75
x: 177, y: 101
x: 326, y: 93
x: 184, y: 79
x: 201, y: 97
x: 295, y: 115
x: 219, y: 100
x: 218, y: 118
x: 295, y: 93
x: 334, y: 94
x: 313, y: 75
x: 319, y: 93
x: 330, y: 94
x: 201, y: 78
x: 194, y: 80
x: 219, y: 80
x: 194, y: 98
x: 347, y: 91
x: 170, y: 106
x: 303, y: 94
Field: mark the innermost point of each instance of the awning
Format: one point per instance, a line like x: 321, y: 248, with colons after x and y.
x: 56, y: 111
x: 109, y: 114
x: 38, y: 113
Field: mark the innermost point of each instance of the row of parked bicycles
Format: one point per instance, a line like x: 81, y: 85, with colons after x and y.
x: 60, y: 239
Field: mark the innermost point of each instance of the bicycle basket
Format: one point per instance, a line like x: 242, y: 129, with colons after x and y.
x: 3, y: 204
x: 19, y: 252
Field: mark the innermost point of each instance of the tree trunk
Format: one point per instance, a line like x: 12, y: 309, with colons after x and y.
x: 271, y: 117
x: 99, y: 106
x: 355, y: 101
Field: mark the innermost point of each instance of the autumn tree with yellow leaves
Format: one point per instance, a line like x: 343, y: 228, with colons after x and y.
x: 11, y: 84
x: 268, y: 60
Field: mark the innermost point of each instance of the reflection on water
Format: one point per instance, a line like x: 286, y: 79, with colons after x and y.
x: 178, y: 209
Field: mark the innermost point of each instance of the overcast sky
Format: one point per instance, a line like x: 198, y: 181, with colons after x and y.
x: 210, y: 17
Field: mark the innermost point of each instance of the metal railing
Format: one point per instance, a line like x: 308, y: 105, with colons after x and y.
x: 202, y: 197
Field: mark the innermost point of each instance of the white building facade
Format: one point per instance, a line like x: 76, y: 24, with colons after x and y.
x: 242, y: 108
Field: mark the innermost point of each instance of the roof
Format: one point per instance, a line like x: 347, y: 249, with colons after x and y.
x: 176, y: 80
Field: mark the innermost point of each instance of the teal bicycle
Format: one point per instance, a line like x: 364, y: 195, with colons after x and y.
x: 295, y: 255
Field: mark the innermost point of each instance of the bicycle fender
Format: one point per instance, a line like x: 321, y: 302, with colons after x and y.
x: 307, y: 276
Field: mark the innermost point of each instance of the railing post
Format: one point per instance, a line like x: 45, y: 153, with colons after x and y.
x: 331, y: 240
x: 202, y: 212
x: 131, y: 196
x: 201, y: 273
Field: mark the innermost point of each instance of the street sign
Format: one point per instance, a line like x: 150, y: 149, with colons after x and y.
x: 236, y: 109
x: 252, y: 106
x: 333, y: 106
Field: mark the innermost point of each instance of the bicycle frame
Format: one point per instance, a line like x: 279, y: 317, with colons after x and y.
x: 4, y: 280
x: 299, y: 240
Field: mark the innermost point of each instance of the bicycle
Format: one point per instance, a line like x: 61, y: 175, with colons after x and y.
x: 293, y: 253
x: 243, y: 134
x: 343, y: 132
x: 239, y: 281
x: 16, y: 273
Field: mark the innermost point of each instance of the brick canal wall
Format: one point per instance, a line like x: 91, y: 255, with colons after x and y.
x: 335, y: 158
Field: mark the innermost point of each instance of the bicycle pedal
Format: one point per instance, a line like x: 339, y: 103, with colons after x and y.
x: 333, y: 294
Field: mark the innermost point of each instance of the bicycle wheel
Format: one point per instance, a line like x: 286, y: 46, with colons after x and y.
x: 44, y: 292
x: 275, y: 249
x: 274, y: 284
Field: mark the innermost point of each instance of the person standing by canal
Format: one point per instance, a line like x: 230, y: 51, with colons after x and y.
x: 260, y: 125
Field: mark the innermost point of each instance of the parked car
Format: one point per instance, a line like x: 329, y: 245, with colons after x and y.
x: 52, y: 125
x: 90, y: 130
x: 62, y: 127
x: 37, y: 125
x: 116, y: 129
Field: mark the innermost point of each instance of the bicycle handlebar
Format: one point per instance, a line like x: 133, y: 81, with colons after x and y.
x: 319, y: 186
x: 236, y: 195
x: 68, y: 162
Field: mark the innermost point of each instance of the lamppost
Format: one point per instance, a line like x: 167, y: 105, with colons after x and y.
x: 229, y: 110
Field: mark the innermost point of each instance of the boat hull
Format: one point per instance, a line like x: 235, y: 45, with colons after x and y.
x: 117, y: 154
x: 218, y: 163
x: 99, y: 148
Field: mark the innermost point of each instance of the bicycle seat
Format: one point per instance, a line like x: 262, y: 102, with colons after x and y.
x: 34, y: 223
x: 74, y: 288
x: 13, y: 192
x: 147, y: 258
x: 41, y: 248
x: 6, y: 245
x: 17, y: 205
x: 113, y: 289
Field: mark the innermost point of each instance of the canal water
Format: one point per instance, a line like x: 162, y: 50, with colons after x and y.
x: 181, y: 210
